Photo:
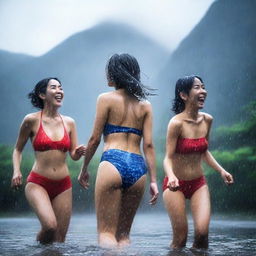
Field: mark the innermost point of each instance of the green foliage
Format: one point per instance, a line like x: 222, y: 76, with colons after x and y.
x: 239, y: 197
x: 239, y: 158
x: 235, y: 149
x: 243, y: 153
x: 239, y: 134
x: 239, y: 129
x: 83, y: 200
x: 251, y: 109
x: 9, y: 198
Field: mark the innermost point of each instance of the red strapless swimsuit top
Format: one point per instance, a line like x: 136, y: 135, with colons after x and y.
x: 43, y: 143
x: 188, y: 146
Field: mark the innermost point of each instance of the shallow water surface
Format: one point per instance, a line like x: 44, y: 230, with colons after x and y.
x: 151, y: 235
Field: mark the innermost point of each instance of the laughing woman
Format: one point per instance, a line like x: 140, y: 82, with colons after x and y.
x: 186, y: 147
x: 124, y: 117
x: 48, y: 189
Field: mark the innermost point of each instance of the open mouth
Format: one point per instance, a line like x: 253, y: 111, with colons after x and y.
x: 201, y: 100
x: 59, y: 97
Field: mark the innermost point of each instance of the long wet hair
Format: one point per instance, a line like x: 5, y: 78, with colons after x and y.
x: 40, y: 87
x: 124, y: 71
x: 183, y: 85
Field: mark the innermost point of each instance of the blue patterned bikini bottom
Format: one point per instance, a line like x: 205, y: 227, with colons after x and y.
x: 131, y: 166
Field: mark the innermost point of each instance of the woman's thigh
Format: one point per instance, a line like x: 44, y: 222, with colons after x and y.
x: 175, y: 205
x: 40, y: 202
x: 107, y: 197
x: 201, y: 209
x: 130, y: 201
x: 62, y: 206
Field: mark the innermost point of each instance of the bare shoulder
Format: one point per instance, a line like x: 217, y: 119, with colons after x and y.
x: 175, y: 123
x: 106, y: 96
x: 68, y: 119
x: 69, y: 122
x: 31, y: 119
x: 208, y: 118
x: 146, y: 105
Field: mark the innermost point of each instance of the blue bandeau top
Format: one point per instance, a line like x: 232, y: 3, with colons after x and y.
x: 110, y: 128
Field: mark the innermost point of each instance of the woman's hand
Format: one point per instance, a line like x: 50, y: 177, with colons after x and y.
x: 83, y: 178
x: 154, y: 193
x: 173, y: 183
x: 227, y: 177
x: 80, y: 151
x: 16, y: 180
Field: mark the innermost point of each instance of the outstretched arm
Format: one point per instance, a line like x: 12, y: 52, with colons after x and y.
x: 24, y: 133
x: 94, y: 141
x: 75, y: 151
x: 149, y: 151
x: 173, y: 132
x: 211, y: 161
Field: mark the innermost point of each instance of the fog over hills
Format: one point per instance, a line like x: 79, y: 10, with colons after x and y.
x: 79, y: 62
x: 220, y: 49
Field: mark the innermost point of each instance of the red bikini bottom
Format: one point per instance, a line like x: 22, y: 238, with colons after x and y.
x: 53, y: 187
x: 187, y: 187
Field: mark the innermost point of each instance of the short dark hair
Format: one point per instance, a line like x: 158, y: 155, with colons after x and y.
x: 182, y: 85
x: 124, y: 71
x: 40, y: 87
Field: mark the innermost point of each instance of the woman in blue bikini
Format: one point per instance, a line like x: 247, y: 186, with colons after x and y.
x: 124, y: 117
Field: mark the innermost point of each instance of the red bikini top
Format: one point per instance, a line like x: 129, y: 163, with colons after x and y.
x: 43, y: 143
x: 188, y: 146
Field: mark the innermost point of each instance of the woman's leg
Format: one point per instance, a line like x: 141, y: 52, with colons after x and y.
x: 62, y: 207
x: 176, y: 207
x: 130, y: 201
x: 201, y: 208
x: 39, y: 200
x: 107, y: 203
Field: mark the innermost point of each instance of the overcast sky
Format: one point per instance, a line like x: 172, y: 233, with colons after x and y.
x: 36, y: 26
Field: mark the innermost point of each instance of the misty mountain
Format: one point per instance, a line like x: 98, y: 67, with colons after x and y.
x: 79, y: 62
x: 9, y: 61
x: 220, y: 49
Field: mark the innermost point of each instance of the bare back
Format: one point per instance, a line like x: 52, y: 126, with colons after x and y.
x: 123, y: 110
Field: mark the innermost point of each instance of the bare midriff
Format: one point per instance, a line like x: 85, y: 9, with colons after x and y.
x: 187, y: 166
x: 51, y: 164
x: 124, y: 141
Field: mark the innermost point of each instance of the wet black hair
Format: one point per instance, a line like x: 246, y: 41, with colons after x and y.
x: 183, y: 85
x: 124, y: 71
x: 40, y: 87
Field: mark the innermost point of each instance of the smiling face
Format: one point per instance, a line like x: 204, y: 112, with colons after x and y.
x: 196, y: 96
x: 54, y: 94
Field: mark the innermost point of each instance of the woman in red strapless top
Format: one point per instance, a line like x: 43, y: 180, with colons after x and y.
x: 48, y: 189
x: 186, y: 147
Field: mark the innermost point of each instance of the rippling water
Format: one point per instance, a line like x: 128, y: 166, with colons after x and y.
x: 151, y: 235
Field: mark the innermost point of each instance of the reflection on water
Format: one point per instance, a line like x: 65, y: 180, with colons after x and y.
x: 151, y: 235
x: 48, y: 252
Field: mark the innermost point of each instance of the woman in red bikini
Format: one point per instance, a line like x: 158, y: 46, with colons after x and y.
x: 48, y: 189
x: 186, y: 147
